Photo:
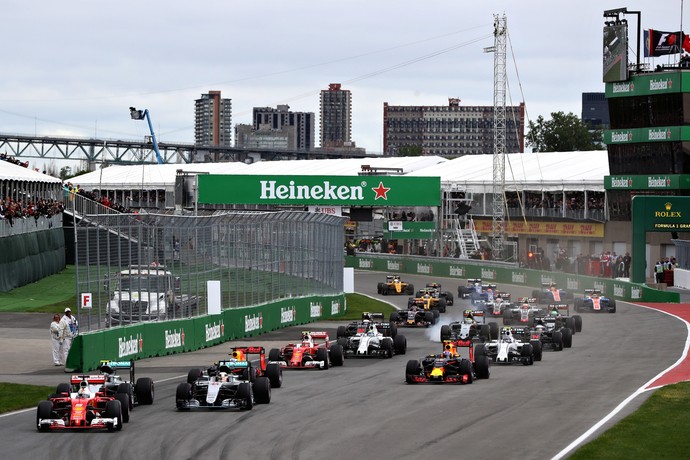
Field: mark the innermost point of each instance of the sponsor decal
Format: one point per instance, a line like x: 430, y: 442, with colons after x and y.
x: 621, y: 182
x: 315, y: 309
x: 621, y: 136
x: 335, y: 307
x: 668, y: 213
x: 659, y: 134
x: 658, y: 182
x: 253, y: 322
x: 656, y: 85
x: 394, y: 266
x: 456, y: 271
x: 214, y: 331
x: 488, y: 274
x: 129, y: 346
x: 618, y: 290
x: 174, y: 339
x: 271, y: 190
x: 635, y: 293
x: 365, y: 263
x: 546, y: 279
x: 625, y: 87
x: 288, y: 314
x: 572, y: 284
x: 424, y: 268
x: 600, y: 286
x: 517, y: 277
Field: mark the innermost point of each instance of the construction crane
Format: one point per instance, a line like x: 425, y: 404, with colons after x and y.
x: 144, y: 115
x: 499, y: 163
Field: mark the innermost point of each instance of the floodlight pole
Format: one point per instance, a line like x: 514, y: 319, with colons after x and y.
x: 140, y: 115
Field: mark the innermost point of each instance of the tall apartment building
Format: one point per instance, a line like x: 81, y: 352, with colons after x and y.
x: 213, y: 120
x: 336, y: 117
x: 595, y: 110
x: 451, y: 130
x: 277, y: 129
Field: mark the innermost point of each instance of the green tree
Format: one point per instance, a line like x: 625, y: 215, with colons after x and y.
x: 563, y: 133
x: 410, y: 151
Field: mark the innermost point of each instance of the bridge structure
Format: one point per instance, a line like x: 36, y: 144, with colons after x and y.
x: 123, y: 152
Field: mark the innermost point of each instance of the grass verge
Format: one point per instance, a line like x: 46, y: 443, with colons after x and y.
x: 48, y: 295
x: 16, y: 396
x: 358, y: 303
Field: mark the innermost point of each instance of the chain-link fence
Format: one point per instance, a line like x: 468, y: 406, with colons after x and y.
x: 143, y: 267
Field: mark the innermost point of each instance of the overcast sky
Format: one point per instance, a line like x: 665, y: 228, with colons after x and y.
x: 74, y: 67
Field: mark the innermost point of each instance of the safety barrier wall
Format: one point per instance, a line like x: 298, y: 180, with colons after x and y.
x: 146, y: 340
x: 614, y: 288
x: 31, y: 256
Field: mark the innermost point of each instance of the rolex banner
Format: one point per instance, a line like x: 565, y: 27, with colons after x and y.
x: 320, y: 190
x: 659, y: 43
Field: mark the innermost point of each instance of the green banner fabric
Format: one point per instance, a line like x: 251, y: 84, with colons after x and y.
x: 400, y: 230
x: 645, y: 85
x: 29, y: 257
x: 655, y: 182
x: 519, y: 276
x: 320, y: 190
x: 637, y: 135
x: 156, y: 338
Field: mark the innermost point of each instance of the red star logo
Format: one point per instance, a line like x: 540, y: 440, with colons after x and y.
x: 380, y: 191
x: 182, y: 335
x: 222, y: 329
x: 141, y: 343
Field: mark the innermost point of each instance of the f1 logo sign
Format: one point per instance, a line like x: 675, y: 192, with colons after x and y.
x: 86, y: 300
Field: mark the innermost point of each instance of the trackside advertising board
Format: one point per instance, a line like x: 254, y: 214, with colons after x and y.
x: 320, y: 190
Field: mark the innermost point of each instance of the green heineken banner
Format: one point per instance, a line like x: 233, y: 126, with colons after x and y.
x: 656, y: 182
x: 659, y: 134
x: 400, y: 230
x: 322, y: 190
x: 645, y: 85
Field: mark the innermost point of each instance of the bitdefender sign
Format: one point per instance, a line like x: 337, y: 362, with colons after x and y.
x: 320, y: 190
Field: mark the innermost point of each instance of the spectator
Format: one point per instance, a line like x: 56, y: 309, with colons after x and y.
x: 56, y: 340
x: 69, y: 328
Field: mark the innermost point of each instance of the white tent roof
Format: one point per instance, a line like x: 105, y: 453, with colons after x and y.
x: 545, y: 171
x: 152, y: 176
x: 11, y: 171
x: 341, y: 166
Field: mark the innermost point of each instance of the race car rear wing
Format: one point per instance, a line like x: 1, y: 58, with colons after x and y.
x: 90, y: 379
x: 249, y: 350
x: 559, y: 306
x: 109, y: 367
x: 527, y: 300
x: 592, y: 291
x: 372, y: 316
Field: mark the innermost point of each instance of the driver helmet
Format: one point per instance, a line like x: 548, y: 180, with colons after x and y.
x: 554, y: 312
x: 370, y: 330
x: 468, y: 314
x: 468, y: 320
x: 446, y: 354
x: 506, y: 335
x: 223, y: 376
x: 83, y: 391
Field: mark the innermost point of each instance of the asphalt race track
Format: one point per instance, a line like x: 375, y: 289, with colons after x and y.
x: 364, y: 409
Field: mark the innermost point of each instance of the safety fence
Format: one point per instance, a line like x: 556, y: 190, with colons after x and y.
x: 497, y: 273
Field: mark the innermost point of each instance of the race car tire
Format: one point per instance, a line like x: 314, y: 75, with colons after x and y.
x: 570, y: 324
x: 479, y: 350
x: 557, y: 339
x: 442, y: 305
x: 567, y: 335
x: 249, y: 374
x: 126, y: 388
x: 465, y: 368
x: 262, y: 390
x: 436, y: 314
x: 445, y: 332
x: 537, y: 349
x: 63, y: 388
x: 578, y: 322
x: 527, y: 353
x: 193, y: 375
x: 482, y: 367
x: 429, y: 318
x: 410, y: 289
x: 144, y: 390
x: 385, y: 290
x: 579, y: 303
x: 275, y: 374
x: 379, y: 288
x: 450, y: 300
x: 274, y: 355
x: 387, y: 347
x: 342, y: 341
x: 393, y: 330
x: 507, y: 317
x: 484, y: 332
x: 322, y: 355
x: 412, y: 368
x: 493, y: 330
x: 395, y: 317
x: 341, y: 332
x: 183, y: 394
x: 244, y: 392
x: 400, y: 344
x: 612, y: 306
x: 124, y: 405
x: 113, y: 409
x: 44, y: 410
x: 337, y: 354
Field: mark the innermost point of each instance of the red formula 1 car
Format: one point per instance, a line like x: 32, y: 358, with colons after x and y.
x: 308, y: 354
x: 83, y: 404
x: 258, y: 367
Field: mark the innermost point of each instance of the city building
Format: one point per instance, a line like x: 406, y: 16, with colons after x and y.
x: 448, y: 131
x: 336, y: 117
x: 213, y: 120
x: 277, y: 128
x: 595, y: 110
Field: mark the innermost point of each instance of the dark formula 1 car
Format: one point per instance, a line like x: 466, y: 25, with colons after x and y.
x: 447, y: 295
x: 561, y: 314
x: 225, y: 385
x: 313, y: 352
x: 83, y: 404
x: 523, y: 312
x: 447, y: 367
x: 387, y: 328
x: 413, y: 317
x: 394, y: 285
x: 473, y: 285
x: 507, y: 349
x: 593, y: 301
x: 496, y: 306
x: 369, y: 342
x: 472, y: 327
x: 260, y: 367
x: 140, y: 393
x: 550, y: 294
x: 551, y: 334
